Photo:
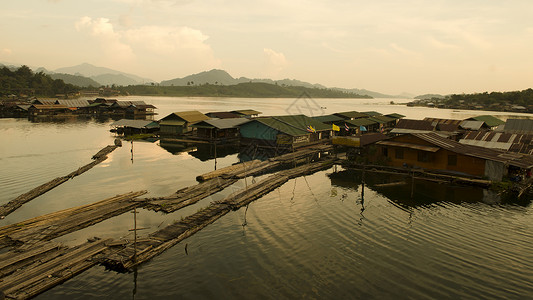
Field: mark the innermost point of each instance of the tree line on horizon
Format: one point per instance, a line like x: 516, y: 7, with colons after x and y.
x: 24, y: 81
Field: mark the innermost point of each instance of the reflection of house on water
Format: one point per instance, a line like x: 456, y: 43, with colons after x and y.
x: 398, y: 189
x: 202, y: 151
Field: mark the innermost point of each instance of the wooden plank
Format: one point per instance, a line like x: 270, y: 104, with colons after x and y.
x: 14, y: 204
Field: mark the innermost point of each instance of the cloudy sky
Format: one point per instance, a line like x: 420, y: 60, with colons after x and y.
x: 416, y: 46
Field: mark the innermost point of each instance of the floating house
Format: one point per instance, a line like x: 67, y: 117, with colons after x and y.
x: 351, y: 115
x: 284, y: 131
x: 179, y: 123
x: 434, y: 152
x: 43, y: 110
x: 226, y: 130
x: 490, y: 122
x: 360, y: 126
x: 128, y: 127
x: 518, y: 126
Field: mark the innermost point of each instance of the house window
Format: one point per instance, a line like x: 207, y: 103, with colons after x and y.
x: 398, y: 153
x: 385, y: 151
x: 424, y: 156
x: 452, y: 160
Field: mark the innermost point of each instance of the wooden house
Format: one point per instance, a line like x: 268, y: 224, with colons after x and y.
x: 434, y: 152
x: 179, y: 123
x: 222, y: 130
x: 41, y: 110
x: 359, y: 126
x: 489, y: 122
x: 284, y: 131
x: 128, y: 127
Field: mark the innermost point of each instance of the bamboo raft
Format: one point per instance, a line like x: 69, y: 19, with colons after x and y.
x: 27, y: 274
x: 26, y: 234
x: 35, y: 264
x: 215, y: 181
x: 14, y: 204
x: 126, y: 257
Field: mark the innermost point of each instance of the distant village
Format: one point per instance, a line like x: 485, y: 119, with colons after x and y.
x: 481, y: 147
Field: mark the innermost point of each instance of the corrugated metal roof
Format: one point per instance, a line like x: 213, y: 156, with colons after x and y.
x: 435, y: 121
x: 382, y: 119
x: 395, y: 116
x: 221, y: 123
x: 247, y: 112
x: 328, y: 118
x: 372, y: 113
x: 135, y: 123
x: 73, y: 102
x: 514, y: 159
x: 52, y: 106
x: 514, y: 142
x: 188, y: 116
x: 471, y: 124
x: 351, y: 115
x: 518, y: 126
x: 294, y: 125
x: 172, y: 122
x: 360, y: 122
x: 409, y: 145
x: 44, y: 101
x: 491, y: 121
x: 415, y: 124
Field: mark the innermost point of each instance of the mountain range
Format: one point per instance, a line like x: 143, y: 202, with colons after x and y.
x: 85, y: 75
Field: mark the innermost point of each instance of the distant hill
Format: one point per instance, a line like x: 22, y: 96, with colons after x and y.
x: 245, y: 89
x: 76, y: 80
x: 221, y: 77
x: 103, y: 75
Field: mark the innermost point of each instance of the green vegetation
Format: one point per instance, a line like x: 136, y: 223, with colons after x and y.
x: 522, y: 98
x: 249, y: 89
x: 24, y: 82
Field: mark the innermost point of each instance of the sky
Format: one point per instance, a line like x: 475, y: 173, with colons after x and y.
x: 414, y: 46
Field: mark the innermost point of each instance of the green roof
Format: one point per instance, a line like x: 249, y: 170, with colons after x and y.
x: 172, y: 122
x: 328, y: 118
x: 489, y: 120
x: 372, y: 113
x: 381, y: 119
x: 351, y: 114
x: 395, y: 116
x: 187, y: 116
x: 294, y: 125
x: 360, y: 122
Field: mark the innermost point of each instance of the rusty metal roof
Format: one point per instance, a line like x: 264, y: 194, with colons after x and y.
x: 514, y: 142
x: 409, y: 145
x: 415, y: 124
x: 509, y: 158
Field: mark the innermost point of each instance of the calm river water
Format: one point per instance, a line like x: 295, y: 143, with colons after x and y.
x: 315, y: 237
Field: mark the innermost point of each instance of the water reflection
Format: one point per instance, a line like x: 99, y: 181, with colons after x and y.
x: 407, y: 192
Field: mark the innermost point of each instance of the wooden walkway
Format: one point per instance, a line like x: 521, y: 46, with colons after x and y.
x: 14, y: 204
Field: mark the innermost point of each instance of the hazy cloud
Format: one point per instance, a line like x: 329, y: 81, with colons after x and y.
x: 159, y: 45
x: 275, y: 62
